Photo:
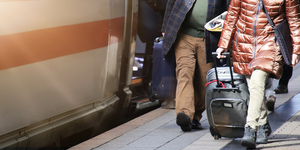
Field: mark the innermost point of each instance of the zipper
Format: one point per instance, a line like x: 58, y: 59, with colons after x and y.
x: 255, y: 22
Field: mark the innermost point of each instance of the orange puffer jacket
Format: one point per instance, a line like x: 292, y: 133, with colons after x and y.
x: 254, y: 47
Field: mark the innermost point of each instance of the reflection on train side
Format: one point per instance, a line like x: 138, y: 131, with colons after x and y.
x: 65, y: 70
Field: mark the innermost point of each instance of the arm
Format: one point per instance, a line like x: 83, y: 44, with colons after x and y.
x: 229, y: 24
x: 293, y: 17
x: 168, y: 10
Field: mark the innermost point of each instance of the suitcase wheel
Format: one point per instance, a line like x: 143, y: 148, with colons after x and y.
x: 215, y: 134
x: 216, y: 137
x: 152, y: 95
x: 153, y: 98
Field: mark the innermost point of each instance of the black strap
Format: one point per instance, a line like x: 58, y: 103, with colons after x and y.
x: 270, y: 20
x: 268, y: 16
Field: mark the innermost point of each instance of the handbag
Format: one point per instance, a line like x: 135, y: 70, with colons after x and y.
x: 283, y: 36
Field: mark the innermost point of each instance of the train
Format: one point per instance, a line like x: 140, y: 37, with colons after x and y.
x: 72, y: 69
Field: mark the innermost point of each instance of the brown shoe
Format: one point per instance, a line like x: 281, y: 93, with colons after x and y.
x: 281, y: 89
x: 184, y: 121
x: 196, y: 124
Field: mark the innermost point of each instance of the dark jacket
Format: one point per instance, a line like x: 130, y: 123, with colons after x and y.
x: 214, y: 8
x: 253, y: 38
x: 175, y: 13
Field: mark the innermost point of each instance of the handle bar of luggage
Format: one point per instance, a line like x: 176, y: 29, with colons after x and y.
x: 227, y: 54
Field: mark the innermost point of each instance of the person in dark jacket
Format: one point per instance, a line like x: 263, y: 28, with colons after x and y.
x: 214, y: 8
x: 256, y: 55
x: 183, y: 30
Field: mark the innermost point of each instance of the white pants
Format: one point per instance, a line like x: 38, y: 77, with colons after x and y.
x: 257, y: 111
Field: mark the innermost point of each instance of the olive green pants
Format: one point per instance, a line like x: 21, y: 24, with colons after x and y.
x: 257, y: 111
x: 191, y: 73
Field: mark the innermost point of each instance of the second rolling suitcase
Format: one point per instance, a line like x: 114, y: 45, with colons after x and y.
x: 163, y: 74
x: 226, y: 101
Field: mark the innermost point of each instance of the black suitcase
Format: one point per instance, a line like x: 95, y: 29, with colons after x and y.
x: 227, y: 99
x: 163, y: 73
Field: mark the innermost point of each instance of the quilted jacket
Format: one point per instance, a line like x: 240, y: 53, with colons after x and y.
x: 253, y: 45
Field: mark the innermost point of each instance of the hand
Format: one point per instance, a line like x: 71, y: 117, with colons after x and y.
x: 163, y: 34
x: 219, y: 51
x: 295, y: 60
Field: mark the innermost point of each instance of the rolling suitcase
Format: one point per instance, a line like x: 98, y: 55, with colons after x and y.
x: 227, y: 99
x: 163, y: 73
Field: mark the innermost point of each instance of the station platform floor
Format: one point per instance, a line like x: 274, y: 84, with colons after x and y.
x: 157, y: 130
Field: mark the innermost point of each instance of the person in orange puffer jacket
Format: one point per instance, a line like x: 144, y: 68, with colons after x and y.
x: 256, y: 55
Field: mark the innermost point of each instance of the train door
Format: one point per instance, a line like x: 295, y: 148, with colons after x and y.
x: 150, y: 15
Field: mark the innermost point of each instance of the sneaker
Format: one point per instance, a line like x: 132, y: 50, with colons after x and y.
x: 271, y: 102
x: 249, y: 138
x: 184, y: 121
x: 262, y: 133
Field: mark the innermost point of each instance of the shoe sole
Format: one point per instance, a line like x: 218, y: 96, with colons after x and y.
x: 197, y: 127
x: 248, y: 144
x: 281, y: 92
x: 184, y: 122
x: 262, y: 141
x: 270, y: 105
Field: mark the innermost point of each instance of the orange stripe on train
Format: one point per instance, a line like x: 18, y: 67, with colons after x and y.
x: 35, y: 46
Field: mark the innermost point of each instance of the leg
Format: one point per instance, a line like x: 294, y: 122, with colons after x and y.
x: 286, y: 76
x: 200, y: 79
x: 185, y: 60
x: 264, y: 129
x: 284, y: 80
x: 257, y: 112
x: 270, y: 95
x: 199, y: 82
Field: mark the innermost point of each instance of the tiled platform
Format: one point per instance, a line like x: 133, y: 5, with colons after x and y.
x: 157, y: 130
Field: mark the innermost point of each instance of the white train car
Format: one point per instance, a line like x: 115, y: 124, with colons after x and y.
x: 65, y: 69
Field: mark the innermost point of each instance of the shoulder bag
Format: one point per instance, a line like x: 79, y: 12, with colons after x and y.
x: 283, y: 36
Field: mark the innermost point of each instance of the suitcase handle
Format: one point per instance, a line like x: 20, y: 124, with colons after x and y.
x: 227, y: 54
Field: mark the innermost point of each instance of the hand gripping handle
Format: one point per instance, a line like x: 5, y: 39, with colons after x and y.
x: 227, y: 54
